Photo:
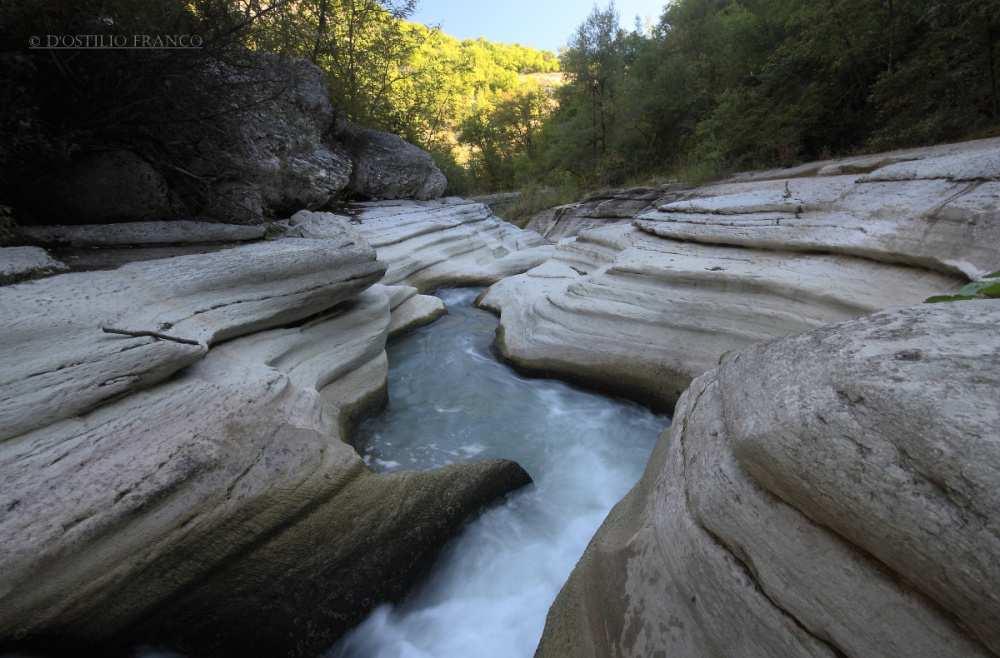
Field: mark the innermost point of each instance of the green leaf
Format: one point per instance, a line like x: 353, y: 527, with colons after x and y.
x: 971, y: 288
x: 992, y: 290
x: 937, y: 299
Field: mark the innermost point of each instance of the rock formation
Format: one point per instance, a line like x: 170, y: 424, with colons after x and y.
x: 387, y: 167
x: 275, y: 148
x: 599, y: 210
x: 830, y: 494
x: 645, y: 306
x: 22, y: 263
x: 445, y: 242
x: 173, y: 446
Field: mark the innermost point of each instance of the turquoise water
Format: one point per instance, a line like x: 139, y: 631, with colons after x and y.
x: 452, y: 401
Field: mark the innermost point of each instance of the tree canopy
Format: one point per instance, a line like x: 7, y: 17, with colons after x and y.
x: 720, y: 85
x: 712, y: 86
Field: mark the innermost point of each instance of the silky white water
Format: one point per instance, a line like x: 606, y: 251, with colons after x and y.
x: 450, y: 401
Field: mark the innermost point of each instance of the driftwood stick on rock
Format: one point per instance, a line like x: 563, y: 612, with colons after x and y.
x: 151, y: 334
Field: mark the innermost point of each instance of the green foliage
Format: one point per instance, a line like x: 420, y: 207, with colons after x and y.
x: 986, y: 288
x: 714, y: 86
x: 723, y: 85
x: 472, y: 103
x: 938, y: 299
x: 55, y: 104
x: 562, y: 189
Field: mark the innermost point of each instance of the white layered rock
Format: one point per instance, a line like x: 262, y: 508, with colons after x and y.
x: 429, y: 244
x: 935, y: 223
x: 645, y: 307
x: 185, y: 495
x: 623, y: 309
x: 598, y: 210
x: 830, y: 494
x: 59, y: 362
x: 185, y: 478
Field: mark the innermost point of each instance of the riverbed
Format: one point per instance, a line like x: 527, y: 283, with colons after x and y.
x: 451, y: 400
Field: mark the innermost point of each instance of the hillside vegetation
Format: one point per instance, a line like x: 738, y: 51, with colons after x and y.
x: 473, y: 103
x: 721, y: 85
x: 713, y: 86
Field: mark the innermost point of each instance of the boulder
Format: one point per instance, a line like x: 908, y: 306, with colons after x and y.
x: 829, y: 494
x: 263, y: 145
x: 8, y: 226
x: 274, y: 157
x: 387, y: 167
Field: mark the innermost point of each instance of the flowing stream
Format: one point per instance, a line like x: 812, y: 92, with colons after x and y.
x: 452, y: 401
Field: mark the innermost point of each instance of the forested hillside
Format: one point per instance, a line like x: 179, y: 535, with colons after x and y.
x: 720, y: 85
x: 713, y: 86
x: 473, y: 103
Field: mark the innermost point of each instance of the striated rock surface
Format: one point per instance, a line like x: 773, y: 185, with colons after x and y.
x: 599, y: 210
x: 644, y: 307
x: 830, y: 494
x: 59, y: 363
x: 185, y: 479
x: 446, y: 242
x: 643, y: 316
x: 941, y: 223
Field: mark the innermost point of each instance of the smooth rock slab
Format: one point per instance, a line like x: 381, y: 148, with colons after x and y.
x: 58, y: 362
x: 22, y: 263
x: 938, y: 224
x: 623, y: 310
x: 430, y: 244
x: 220, y: 512
x: 829, y: 494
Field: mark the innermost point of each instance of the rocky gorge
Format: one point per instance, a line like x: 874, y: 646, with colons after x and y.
x: 824, y: 493
x: 180, y: 392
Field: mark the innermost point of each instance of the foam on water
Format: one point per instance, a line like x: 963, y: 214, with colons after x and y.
x: 452, y: 401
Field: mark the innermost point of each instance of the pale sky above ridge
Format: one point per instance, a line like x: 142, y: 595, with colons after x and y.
x: 545, y: 24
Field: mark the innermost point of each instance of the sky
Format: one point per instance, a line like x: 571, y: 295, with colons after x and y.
x: 546, y: 24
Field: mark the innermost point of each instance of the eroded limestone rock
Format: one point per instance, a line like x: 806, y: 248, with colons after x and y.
x: 221, y: 512
x: 645, y: 308
x: 621, y: 309
x: 450, y: 242
x: 829, y: 494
